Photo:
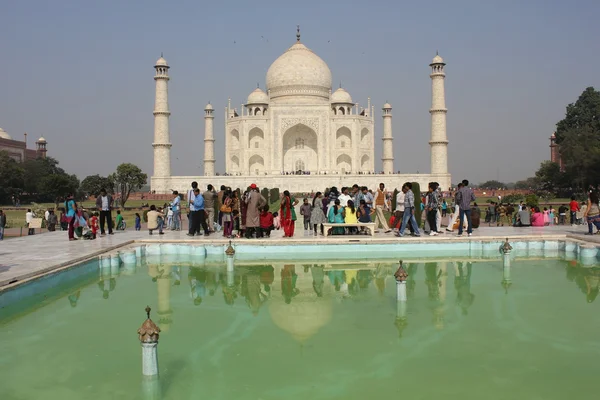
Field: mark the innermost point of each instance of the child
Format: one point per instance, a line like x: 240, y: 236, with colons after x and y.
x: 120, y: 225
x: 552, y: 216
x: 138, y: 222
x: 266, y: 222
x: 235, y: 214
x: 276, y: 220
x: 169, y: 218
x: 306, y: 211
x: 94, y: 224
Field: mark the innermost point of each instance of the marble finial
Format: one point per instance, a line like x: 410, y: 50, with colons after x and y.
x: 298, y: 33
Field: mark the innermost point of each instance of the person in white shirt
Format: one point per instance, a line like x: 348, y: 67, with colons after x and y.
x: 399, y: 211
x: 29, y: 215
x: 344, y: 197
x: 46, y: 215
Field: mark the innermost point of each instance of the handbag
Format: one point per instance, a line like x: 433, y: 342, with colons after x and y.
x: 225, y: 207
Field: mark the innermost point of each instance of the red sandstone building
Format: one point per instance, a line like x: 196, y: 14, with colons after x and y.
x: 555, y: 152
x: 18, y: 150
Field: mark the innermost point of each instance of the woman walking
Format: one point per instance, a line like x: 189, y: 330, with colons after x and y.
x: 71, y: 211
x: 288, y: 214
x: 226, y: 210
x: 317, y: 217
x: 592, y: 213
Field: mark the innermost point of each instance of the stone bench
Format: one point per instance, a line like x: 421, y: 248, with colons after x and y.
x: 327, y: 226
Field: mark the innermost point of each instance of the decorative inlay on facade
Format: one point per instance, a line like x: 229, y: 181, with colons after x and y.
x: 310, y: 122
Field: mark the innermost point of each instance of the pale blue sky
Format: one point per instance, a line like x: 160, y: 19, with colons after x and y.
x: 81, y: 73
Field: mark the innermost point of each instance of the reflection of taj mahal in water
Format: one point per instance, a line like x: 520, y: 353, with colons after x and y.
x: 299, y: 126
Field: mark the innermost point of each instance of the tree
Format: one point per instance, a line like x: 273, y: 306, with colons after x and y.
x: 12, y: 178
x: 549, y: 176
x: 527, y: 184
x: 92, y: 185
x: 57, y: 186
x: 578, y: 136
x: 127, y: 178
x: 492, y: 185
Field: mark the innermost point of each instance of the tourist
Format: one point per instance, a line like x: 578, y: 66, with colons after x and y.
x: 592, y: 213
x: 562, y: 214
x: 492, y: 210
x: 120, y: 223
x: 306, y: 211
x: 176, y: 212
x: 138, y: 222
x: 581, y: 213
x: 546, y: 216
x: 94, y: 224
x: 276, y: 220
x: 64, y: 222
x: 409, y: 211
x: 225, y: 211
x: 552, y: 216
x: 521, y: 206
x: 537, y: 218
x: 104, y: 203
x: 46, y: 215
x: 29, y: 215
x: 220, y: 195
x: 573, y: 208
x: 190, y: 202
x: 464, y: 198
x: 344, y: 197
x: 235, y: 215
x: 350, y: 216
x: 336, y: 216
x: 523, y: 217
x: 432, y: 209
x: 71, y: 210
x: 288, y: 214
x: 444, y: 208
x: 209, y: 205
x: 52, y: 220
x: 503, y: 215
x: 254, y: 202
x: 155, y: 220
x: 367, y: 196
x: 2, y: 224
x: 198, y: 215
x: 455, y: 214
x: 356, y: 194
x: 364, y: 214
x: 317, y: 217
x: 266, y: 222
x: 379, y: 202
x: 475, y: 215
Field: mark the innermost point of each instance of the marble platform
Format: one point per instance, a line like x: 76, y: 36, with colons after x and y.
x: 31, y: 256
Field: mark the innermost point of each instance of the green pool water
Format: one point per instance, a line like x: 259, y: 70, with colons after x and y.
x: 281, y: 330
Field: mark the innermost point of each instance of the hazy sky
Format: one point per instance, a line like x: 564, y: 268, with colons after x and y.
x: 81, y: 73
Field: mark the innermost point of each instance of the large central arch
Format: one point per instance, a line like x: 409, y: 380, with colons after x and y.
x: 300, y: 144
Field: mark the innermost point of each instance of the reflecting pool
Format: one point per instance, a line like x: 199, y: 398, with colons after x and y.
x: 308, y: 330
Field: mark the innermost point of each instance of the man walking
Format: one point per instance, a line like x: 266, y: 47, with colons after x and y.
x: 379, y: 201
x: 198, y: 215
x: 209, y: 206
x: 2, y: 224
x: 464, y: 197
x: 190, y: 201
x: 104, y: 203
x: 409, y: 210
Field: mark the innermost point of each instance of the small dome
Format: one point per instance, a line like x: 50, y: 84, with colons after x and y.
x: 437, y: 59
x: 4, y: 135
x: 258, y: 96
x: 341, y: 96
x: 161, y: 62
x: 208, y: 107
x: 41, y: 140
x: 551, y: 137
x: 387, y: 105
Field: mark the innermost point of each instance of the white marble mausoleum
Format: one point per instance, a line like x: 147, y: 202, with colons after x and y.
x: 299, y: 134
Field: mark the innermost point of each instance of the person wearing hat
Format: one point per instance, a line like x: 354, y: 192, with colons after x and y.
x: 254, y: 202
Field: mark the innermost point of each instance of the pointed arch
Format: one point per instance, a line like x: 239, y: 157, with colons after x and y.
x: 256, y: 136
x: 235, y: 138
x: 344, y: 163
x: 256, y: 165
x: 343, y: 138
x: 365, y: 138
x: 365, y: 162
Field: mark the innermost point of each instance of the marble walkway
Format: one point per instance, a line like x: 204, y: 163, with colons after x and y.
x: 29, y: 256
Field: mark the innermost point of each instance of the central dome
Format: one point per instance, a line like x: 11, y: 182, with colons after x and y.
x: 299, y: 71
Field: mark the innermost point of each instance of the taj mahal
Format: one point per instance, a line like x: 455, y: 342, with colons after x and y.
x: 299, y: 134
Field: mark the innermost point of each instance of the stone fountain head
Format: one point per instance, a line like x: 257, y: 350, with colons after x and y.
x: 506, y: 247
x: 401, y: 275
x: 148, y: 332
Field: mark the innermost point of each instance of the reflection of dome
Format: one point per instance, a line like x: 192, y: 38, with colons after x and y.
x: 341, y: 96
x: 305, y: 315
x: 4, y: 135
x: 301, y: 71
x: 258, y: 96
x: 437, y: 60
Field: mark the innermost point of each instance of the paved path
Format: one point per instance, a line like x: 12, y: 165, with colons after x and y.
x: 28, y: 256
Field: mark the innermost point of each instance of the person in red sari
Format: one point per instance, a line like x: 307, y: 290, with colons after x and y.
x: 288, y: 214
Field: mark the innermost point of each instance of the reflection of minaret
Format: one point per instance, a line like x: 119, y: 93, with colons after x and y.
x: 162, y: 140
x: 164, y: 298
x: 401, y: 321
x: 439, y: 139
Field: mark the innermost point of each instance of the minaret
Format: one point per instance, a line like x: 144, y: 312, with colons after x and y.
x: 209, y: 141
x: 162, y: 142
x: 388, y: 140
x: 41, y: 147
x: 439, y: 140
